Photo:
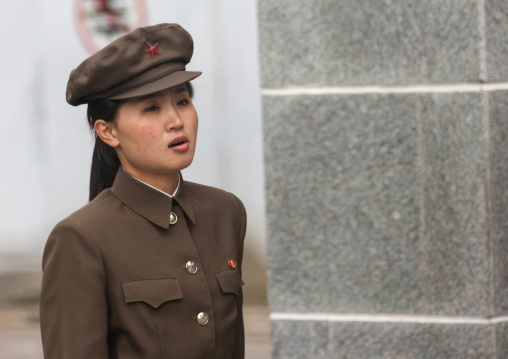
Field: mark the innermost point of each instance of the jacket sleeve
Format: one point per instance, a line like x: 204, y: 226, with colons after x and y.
x: 73, y: 308
x: 239, y: 348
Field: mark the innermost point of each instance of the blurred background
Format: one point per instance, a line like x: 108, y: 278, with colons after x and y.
x: 46, y: 146
x: 385, y: 163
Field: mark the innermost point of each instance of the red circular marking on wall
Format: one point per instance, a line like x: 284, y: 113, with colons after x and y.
x: 98, y: 22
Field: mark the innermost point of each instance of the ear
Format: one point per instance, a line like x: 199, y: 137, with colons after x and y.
x: 106, y: 132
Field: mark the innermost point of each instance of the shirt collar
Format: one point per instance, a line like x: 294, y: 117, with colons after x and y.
x: 164, y: 193
x: 148, y: 201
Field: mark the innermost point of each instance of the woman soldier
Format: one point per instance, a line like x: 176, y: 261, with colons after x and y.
x: 150, y: 268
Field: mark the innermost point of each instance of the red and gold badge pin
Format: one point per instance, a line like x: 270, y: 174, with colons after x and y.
x: 232, y: 263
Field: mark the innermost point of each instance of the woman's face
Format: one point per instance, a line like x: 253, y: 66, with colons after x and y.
x: 157, y: 133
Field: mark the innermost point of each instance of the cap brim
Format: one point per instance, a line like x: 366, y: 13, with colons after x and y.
x: 168, y: 81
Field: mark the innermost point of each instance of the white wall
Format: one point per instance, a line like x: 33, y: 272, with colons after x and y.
x: 45, y: 146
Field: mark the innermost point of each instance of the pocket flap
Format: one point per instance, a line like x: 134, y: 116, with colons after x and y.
x: 153, y: 292
x: 229, y: 281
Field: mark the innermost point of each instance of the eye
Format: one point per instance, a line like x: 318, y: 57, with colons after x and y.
x: 151, y: 108
x: 183, y: 102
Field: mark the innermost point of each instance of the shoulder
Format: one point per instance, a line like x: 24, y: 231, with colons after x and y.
x: 87, y: 219
x: 216, y: 204
x: 75, y: 237
x: 212, y: 196
x: 219, y: 209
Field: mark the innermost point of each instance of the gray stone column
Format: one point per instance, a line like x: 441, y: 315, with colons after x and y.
x: 386, y: 164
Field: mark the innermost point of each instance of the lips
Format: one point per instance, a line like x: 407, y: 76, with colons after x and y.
x: 178, y: 141
x: 179, y: 144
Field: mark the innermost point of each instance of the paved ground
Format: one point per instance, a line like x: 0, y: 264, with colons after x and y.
x: 20, y: 336
x: 257, y: 332
x: 19, y: 332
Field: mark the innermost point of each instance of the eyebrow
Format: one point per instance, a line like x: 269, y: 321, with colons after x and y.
x: 181, y: 89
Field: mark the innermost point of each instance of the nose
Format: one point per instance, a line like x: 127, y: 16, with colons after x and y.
x: 174, y: 121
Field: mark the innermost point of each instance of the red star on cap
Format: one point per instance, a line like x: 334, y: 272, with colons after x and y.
x: 152, y: 50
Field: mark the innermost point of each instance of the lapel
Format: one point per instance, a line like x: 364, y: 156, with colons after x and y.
x: 148, y: 202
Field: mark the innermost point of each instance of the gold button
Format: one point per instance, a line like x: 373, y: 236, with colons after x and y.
x: 191, y: 267
x: 173, y: 218
x: 202, y: 318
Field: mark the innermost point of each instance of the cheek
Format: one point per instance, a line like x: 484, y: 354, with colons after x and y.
x: 147, y: 131
x: 195, y: 125
x: 143, y: 137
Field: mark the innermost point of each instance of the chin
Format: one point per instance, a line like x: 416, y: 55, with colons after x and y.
x: 183, y: 165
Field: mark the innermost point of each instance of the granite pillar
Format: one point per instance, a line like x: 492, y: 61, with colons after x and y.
x: 386, y: 166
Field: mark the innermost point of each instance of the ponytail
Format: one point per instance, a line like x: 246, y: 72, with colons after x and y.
x: 105, y: 165
x: 105, y: 162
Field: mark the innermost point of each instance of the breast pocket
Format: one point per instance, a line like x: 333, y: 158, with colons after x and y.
x: 229, y: 281
x: 153, y: 292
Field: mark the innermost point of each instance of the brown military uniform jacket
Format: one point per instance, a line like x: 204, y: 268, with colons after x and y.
x: 118, y: 284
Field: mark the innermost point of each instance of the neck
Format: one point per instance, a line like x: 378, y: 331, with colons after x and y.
x: 167, y: 183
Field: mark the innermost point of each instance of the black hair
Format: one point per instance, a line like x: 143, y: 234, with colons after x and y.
x: 105, y: 161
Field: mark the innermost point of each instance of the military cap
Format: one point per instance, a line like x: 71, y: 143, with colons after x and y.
x: 146, y: 60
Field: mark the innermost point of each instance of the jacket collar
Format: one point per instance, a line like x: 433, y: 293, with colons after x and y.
x: 148, y: 202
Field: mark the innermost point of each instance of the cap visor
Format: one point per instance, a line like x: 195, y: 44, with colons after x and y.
x: 168, y: 81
